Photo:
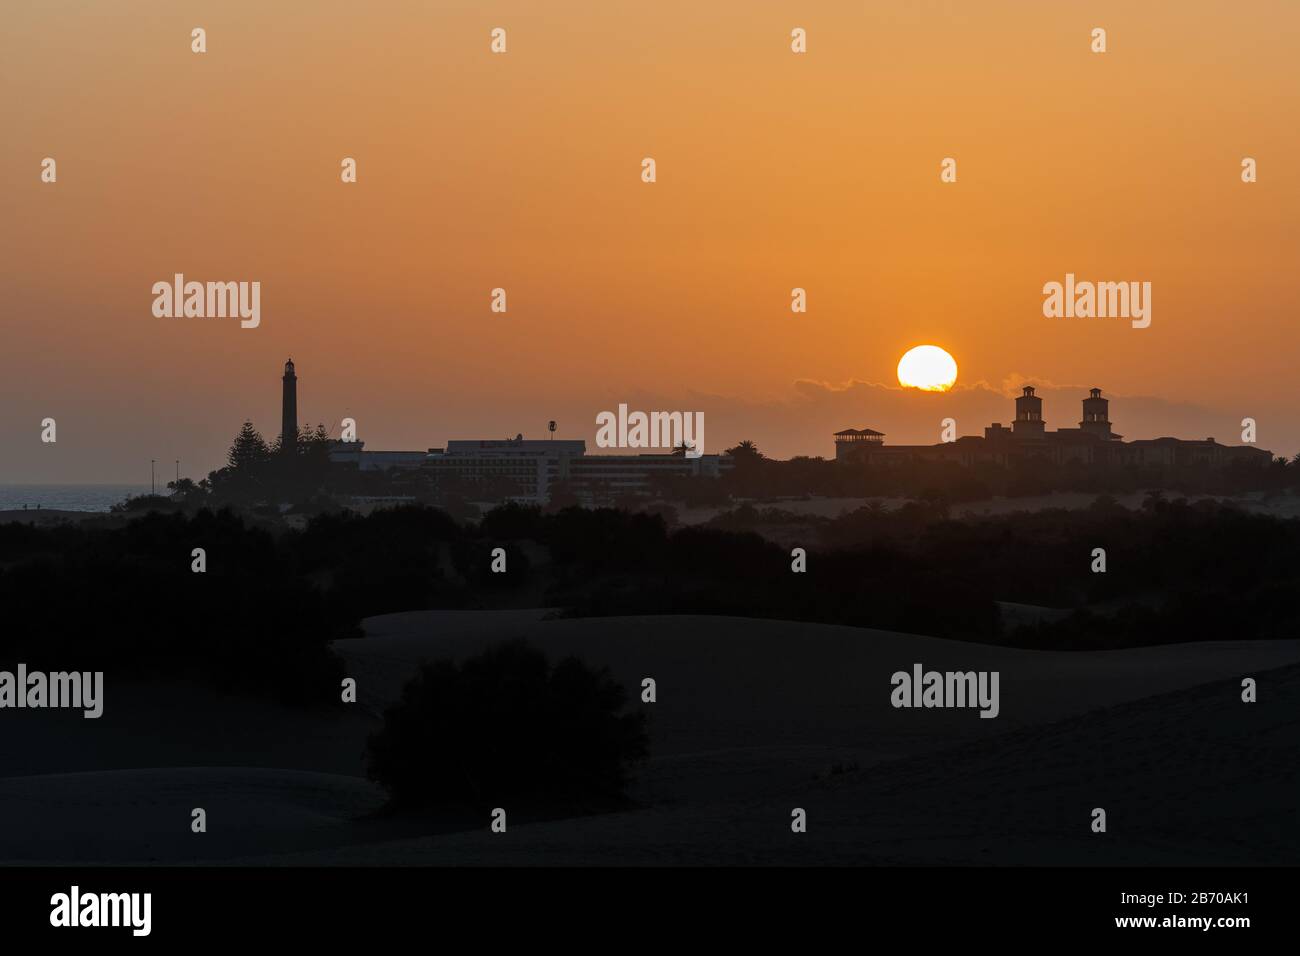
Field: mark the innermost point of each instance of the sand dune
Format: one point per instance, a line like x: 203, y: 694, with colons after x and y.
x: 145, y: 815
x: 727, y: 683
x: 1194, y: 777
x: 750, y: 718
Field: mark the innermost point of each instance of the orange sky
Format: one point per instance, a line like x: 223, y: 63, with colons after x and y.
x: 522, y: 170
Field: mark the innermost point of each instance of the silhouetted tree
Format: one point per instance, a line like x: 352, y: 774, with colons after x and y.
x: 248, y: 450
x: 746, y: 452
x: 309, y: 441
x: 251, y: 623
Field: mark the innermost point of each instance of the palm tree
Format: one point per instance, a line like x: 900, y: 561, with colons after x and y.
x: 746, y: 450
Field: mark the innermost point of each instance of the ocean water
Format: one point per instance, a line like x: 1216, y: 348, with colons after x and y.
x: 68, y: 497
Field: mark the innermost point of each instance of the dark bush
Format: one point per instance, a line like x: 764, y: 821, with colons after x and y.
x: 505, y: 728
x: 125, y: 599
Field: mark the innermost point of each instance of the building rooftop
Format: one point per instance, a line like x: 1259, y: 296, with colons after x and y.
x: 517, y: 446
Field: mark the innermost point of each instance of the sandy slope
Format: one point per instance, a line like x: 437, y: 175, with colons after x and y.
x: 738, y: 684
x: 1194, y: 777
x: 750, y: 716
x: 145, y: 815
x: 178, y: 725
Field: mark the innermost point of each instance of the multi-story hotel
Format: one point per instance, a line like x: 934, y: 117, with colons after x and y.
x: 534, y: 467
x: 1092, y: 442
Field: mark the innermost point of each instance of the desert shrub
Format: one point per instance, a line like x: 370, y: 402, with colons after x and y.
x: 512, y: 521
x: 391, y: 560
x: 505, y: 728
x: 125, y: 600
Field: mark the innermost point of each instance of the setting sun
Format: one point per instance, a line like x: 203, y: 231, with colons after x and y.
x: 928, y: 368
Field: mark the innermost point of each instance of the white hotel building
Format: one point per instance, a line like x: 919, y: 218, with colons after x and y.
x: 533, y: 466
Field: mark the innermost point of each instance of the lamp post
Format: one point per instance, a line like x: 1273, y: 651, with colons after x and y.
x: 153, y: 486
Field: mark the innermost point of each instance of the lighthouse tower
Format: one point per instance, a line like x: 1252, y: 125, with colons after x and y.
x: 289, y: 410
